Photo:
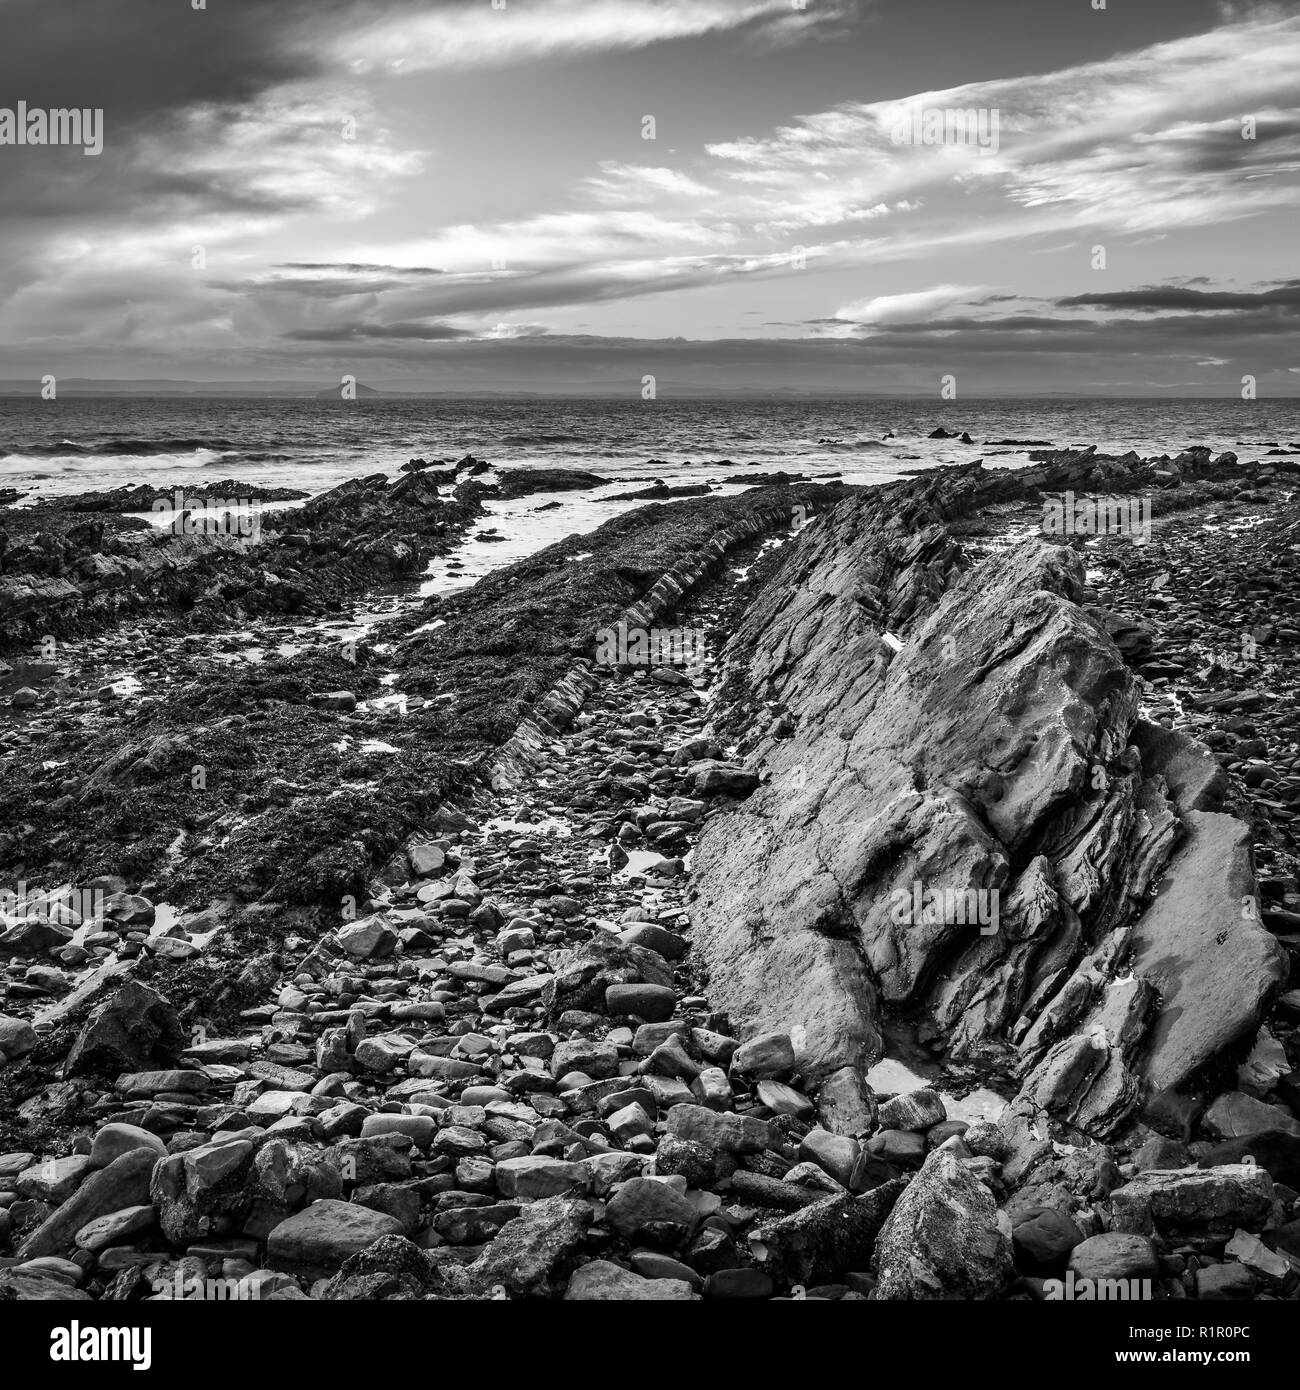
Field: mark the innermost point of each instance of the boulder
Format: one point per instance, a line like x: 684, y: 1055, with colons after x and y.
x: 650, y: 1208
x: 825, y: 1239
x: 114, y: 1140
x: 846, y: 1104
x: 533, y: 1254
x: 943, y: 1239
x: 133, y: 1029
x: 204, y: 1190
x: 17, y: 1038
x: 535, y: 1176
x: 317, y: 1240
x: 389, y: 1268
x: 1043, y: 1238
x: 367, y: 938
x: 768, y: 1055
x: 602, y: 1281
x: 585, y: 974
x: 1205, y: 1203
x: 724, y: 1130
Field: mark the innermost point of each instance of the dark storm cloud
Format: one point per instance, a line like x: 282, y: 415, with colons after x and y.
x: 1259, y: 330
x: 420, y: 332
x: 149, y: 65
x: 140, y: 59
x: 1161, y: 298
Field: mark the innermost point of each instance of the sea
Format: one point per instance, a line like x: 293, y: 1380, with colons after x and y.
x: 81, y: 443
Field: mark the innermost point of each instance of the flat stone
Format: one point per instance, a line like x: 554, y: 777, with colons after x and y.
x: 602, y: 1281
x: 316, y: 1240
x: 148, y: 1083
x: 718, y: 1130
x: 117, y: 1228
x: 534, y: 1177
x: 54, y: 1180
x: 915, y: 1111
x: 1235, y: 1114
x: 1225, y: 1283
x: 1114, y: 1255
x: 596, y: 1060
x: 784, y: 1100
x: 421, y: 1128
x: 425, y: 859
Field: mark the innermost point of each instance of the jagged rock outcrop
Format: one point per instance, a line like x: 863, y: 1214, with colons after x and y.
x: 965, y: 819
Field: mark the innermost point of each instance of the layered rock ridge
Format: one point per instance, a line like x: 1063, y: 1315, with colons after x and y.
x: 966, y: 821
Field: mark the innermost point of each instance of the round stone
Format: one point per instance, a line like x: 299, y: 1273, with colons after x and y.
x: 1043, y: 1238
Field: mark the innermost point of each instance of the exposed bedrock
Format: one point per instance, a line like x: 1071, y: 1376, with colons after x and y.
x: 964, y: 819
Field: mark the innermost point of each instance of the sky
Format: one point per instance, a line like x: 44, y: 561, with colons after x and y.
x: 742, y: 195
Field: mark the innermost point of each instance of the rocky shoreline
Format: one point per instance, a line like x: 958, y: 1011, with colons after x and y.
x: 585, y: 1001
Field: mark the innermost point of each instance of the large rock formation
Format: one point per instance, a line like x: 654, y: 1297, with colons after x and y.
x: 965, y: 819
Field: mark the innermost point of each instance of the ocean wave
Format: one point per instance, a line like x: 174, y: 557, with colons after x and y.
x: 529, y: 439
x: 119, y: 448
x: 238, y: 456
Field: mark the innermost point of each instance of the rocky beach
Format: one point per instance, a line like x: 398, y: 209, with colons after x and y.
x: 909, y: 917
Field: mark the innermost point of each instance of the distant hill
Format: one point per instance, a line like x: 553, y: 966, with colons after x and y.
x: 335, y: 393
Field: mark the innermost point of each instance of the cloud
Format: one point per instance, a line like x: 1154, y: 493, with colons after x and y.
x: 1142, y: 141
x: 906, y: 308
x: 395, y: 332
x: 624, y: 183
x: 229, y: 134
x: 1152, y: 299
x: 468, y: 36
